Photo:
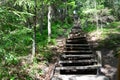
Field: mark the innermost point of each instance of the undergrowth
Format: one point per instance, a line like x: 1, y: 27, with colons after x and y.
x: 109, y: 37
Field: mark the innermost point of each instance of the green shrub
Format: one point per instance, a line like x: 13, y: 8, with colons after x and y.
x: 89, y: 28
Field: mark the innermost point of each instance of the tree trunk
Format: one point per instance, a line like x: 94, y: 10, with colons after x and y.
x: 49, y: 22
x: 28, y: 23
x: 41, y: 18
x: 96, y: 15
x: 34, y: 34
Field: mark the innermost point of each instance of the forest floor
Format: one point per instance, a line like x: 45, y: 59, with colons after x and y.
x: 57, y: 49
x: 109, y: 61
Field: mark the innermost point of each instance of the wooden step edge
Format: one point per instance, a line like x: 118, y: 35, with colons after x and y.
x: 78, y: 55
x: 74, y: 51
x: 78, y: 48
x: 77, y: 33
x: 78, y: 37
x: 77, y: 61
x: 78, y: 67
x: 77, y: 44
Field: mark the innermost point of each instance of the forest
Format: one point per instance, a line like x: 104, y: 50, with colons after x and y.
x: 32, y: 34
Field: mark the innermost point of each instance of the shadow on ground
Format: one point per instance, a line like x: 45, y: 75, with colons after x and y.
x: 109, y: 48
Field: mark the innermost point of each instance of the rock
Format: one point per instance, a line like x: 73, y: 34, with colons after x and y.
x: 108, y: 71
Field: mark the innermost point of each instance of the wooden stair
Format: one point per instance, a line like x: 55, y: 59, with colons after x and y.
x: 77, y: 57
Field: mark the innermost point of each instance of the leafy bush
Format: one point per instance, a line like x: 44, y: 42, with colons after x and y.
x: 89, y: 28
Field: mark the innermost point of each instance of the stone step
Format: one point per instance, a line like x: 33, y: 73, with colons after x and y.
x: 75, y: 29
x: 74, y: 35
x: 76, y: 32
x: 77, y: 38
x: 78, y: 67
x: 78, y: 52
x: 77, y: 48
x: 77, y: 45
x: 76, y: 57
x: 79, y: 71
x: 78, y: 41
x: 78, y: 62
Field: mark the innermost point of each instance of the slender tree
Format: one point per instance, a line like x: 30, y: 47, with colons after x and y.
x: 49, y: 22
x: 34, y: 33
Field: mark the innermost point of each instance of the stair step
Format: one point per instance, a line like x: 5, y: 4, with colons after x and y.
x: 76, y: 57
x: 76, y: 42
x: 76, y: 32
x: 77, y: 48
x: 77, y: 38
x: 79, y: 71
x: 76, y: 27
x: 77, y: 52
x: 78, y: 67
x: 78, y: 62
x: 77, y: 45
x: 80, y: 42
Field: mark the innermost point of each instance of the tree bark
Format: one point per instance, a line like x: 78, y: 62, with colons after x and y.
x: 34, y: 34
x: 96, y: 15
x: 49, y: 22
x: 41, y: 17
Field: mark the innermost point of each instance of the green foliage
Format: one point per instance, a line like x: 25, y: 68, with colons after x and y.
x: 45, y: 53
x: 15, y: 40
x: 117, y: 52
x: 72, y: 3
x: 53, y: 42
x: 114, y: 24
x: 89, y: 28
x: 10, y: 59
x: 25, y: 3
x: 110, y: 39
x: 59, y: 29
